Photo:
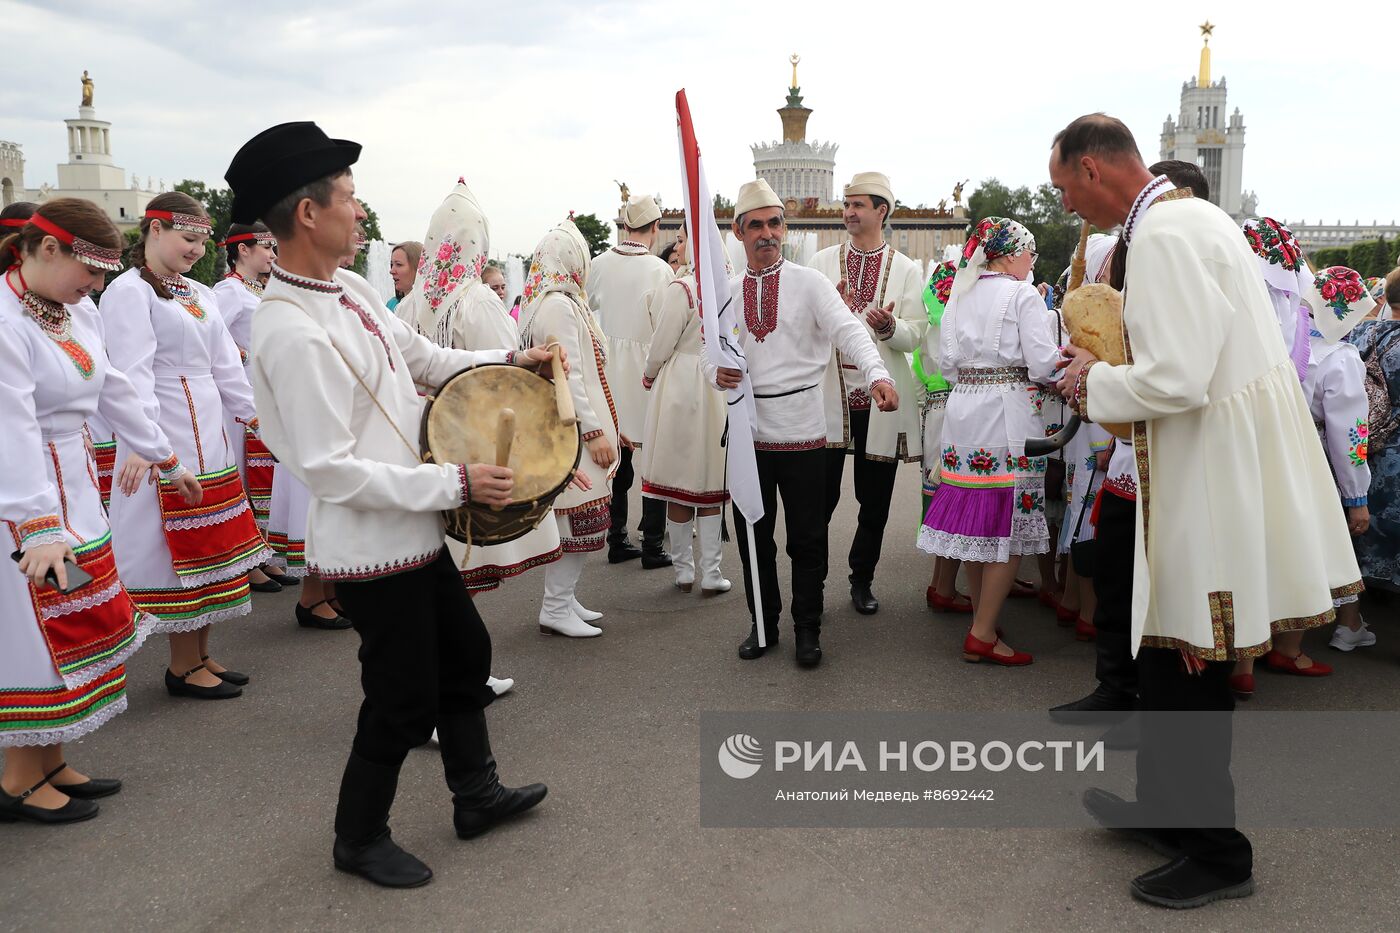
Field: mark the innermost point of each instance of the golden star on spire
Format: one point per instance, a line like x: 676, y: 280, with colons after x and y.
x: 1206, y: 29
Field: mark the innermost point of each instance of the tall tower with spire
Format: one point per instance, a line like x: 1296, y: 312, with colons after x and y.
x: 1205, y: 132
x: 796, y: 169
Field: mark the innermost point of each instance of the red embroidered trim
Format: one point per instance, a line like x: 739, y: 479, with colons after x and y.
x: 601, y: 362
x: 466, y: 482
x: 1124, y: 487
x: 369, y: 324
x: 655, y: 490
x: 761, y: 311
x: 194, y: 422
x: 863, y: 276
x: 377, y: 570
x: 592, y: 434
x: 44, y: 525
x: 62, y: 493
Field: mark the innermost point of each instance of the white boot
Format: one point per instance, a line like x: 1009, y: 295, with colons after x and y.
x: 556, y: 615
x: 682, y: 553
x: 587, y: 615
x: 499, y: 686
x: 712, y: 582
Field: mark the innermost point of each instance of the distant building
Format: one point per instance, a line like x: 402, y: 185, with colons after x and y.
x: 89, y: 172
x: 1205, y: 132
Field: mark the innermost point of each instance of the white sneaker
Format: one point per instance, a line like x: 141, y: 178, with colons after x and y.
x: 1344, y: 639
x: 587, y: 615
x: 499, y: 686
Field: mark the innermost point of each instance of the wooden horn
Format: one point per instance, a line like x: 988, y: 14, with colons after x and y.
x: 505, y: 436
x: 563, y: 399
x: 1076, y: 265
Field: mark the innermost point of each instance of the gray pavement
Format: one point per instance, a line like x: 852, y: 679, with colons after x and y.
x: 225, y: 821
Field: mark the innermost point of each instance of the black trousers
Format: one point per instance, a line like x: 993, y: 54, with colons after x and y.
x: 1183, y: 767
x: 653, y: 523
x: 1113, y: 589
x: 799, y: 477
x: 874, y: 480
x: 424, y: 654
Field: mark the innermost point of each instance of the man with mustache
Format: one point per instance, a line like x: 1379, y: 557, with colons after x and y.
x: 792, y: 318
x: 883, y: 288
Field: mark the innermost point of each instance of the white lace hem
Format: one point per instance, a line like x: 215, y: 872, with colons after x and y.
x: 68, y: 733
x: 979, y: 550
x: 175, y: 626
x: 256, y: 559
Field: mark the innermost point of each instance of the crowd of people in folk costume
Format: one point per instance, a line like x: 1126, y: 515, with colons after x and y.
x: 185, y: 446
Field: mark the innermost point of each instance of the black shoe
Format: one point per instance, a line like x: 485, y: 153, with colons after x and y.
x: 864, y: 600
x: 92, y: 788
x: 308, y: 619
x: 749, y: 647
x: 1185, y: 883
x: 479, y: 800
x: 655, y: 558
x: 1104, y: 705
x: 472, y: 822
x: 178, y: 687
x: 621, y: 550
x: 809, y: 646
x: 382, y: 861
x: 14, y: 809
x: 230, y: 677
x: 1124, y: 818
x: 267, y: 586
x: 283, y: 579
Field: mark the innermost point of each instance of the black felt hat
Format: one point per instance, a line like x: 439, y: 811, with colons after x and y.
x: 278, y: 161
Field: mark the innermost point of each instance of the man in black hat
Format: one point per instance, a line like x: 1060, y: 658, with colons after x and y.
x: 333, y: 375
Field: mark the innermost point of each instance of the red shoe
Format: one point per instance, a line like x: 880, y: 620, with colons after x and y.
x: 1278, y: 661
x: 1242, y: 685
x: 943, y: 604
x: 1047, y: 598
x: 1066, y: 617
x: 975, y: 650
x: 1084, y: 630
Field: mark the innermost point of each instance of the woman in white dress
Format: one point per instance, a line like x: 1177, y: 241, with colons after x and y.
x: 556, y: 306
x: 62, y: 656
x: 989, y: 507
x: 188, y: 569
x: 683, y: 460
x: 250, y: 250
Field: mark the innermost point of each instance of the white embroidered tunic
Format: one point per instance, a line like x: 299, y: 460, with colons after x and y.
x: 326, y: 357
x: 791, y: 318
x: 619, y: 288
x: 874, y: 279
x: 1239, y: 534
x: 1336, y: 393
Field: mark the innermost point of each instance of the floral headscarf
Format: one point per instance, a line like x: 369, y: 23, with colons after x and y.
x: 1280, y: 257
x: 1339, y: 301
x: 454, y: 255
x: 1375, y: 287
x: 559, y: 265
x: 993, y: 238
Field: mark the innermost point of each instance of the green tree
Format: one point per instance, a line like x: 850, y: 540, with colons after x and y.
x: 1056, y: 231
x: 371, y: 227
x: 1330, y: 256
x: 594, y: 231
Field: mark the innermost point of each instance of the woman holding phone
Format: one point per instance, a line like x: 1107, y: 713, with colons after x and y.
x: 62, y: 654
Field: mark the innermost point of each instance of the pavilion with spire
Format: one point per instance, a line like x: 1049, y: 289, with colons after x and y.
x: 1205, y: 132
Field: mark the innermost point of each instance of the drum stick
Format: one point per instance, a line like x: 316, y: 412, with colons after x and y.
x: 563, y: 399
x: 505, y: 436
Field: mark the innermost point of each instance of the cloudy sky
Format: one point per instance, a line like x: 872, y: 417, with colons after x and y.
x: 541, y: 104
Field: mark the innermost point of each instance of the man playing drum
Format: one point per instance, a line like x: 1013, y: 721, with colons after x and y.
x: 333, y: 379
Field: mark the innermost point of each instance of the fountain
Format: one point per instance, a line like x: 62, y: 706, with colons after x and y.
x: 377, y: 268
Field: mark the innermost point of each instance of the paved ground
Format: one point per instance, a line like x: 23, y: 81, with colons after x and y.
x: 225, y: 822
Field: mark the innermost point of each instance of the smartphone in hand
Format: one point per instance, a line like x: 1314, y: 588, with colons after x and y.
x: 77, y: 576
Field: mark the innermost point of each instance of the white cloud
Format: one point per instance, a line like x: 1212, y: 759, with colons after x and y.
x: 541, y: 104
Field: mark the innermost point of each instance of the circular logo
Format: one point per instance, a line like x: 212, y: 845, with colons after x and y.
x: 740, y: 756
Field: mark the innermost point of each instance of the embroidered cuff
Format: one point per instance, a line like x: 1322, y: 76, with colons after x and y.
x: 877, y: 382
x: 46, y: 529
x: 592, y: 434
x: 887, y: 331
x: 1354, y: 503
x: 1080, y: 400
x: 172, y: 469
x: 511, y: 357
x: 464, y: 479
x: 648, y: 382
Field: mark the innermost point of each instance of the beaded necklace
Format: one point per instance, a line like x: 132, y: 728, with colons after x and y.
x: 56, y: 323
x: 254, y: 287
x: 181, y: 290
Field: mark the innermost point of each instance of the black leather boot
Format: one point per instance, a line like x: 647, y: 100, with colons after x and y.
x: 621, y: 548
x: 749, y: 647
x: 809, y: 645
x: 479, y: 801
x: 1115, y: 696
x: 654, y: 556
x: 363, y: 845
x: 864, y: 600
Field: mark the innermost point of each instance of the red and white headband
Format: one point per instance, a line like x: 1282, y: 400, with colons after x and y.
x: 99, y: 257
x: 262, y: 237
x: 190, y: 223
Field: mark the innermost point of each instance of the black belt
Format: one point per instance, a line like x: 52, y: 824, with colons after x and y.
x: 787, y: 393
